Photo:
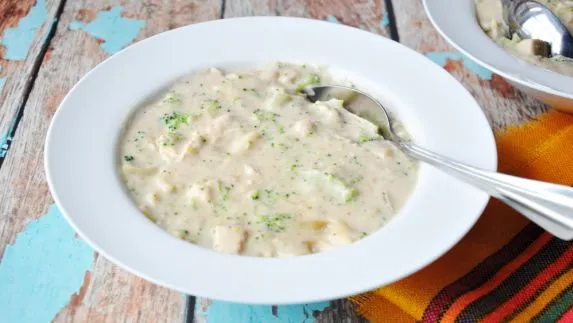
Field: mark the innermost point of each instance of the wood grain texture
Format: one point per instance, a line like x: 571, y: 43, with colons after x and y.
x: 365, y: 14
x: 339, y: 311
x: 18, y: 59
x: 502, y: 104
x: 108, y: 294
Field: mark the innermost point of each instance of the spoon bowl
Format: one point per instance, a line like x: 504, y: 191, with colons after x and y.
x: 530, y: 19
x: 357, y: 102
x: 549, y: 205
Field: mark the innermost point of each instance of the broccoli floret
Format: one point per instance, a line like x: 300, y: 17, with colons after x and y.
x: 175, y: 119
x: 308, y: 80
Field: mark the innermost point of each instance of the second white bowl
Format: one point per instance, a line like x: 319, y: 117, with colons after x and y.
x: 463, y: 31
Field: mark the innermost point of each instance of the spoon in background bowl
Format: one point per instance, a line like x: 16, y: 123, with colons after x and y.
x: 530, y: 19
x: 548, y: 205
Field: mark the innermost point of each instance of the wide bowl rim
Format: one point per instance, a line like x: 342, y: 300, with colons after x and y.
x: 318, y: 286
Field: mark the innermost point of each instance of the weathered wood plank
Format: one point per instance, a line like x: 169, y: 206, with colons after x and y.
x: 24, y: 26
x: 339, y: 311
x: 502, y: 104
x: 94, y: 290
x: 366, y: 14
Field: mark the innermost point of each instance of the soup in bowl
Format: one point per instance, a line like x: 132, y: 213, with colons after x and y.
x: 367, y: 215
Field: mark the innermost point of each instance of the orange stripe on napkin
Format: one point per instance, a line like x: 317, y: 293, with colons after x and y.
x: 499, y: 243
x: 549, y: 294
x: 484, y: 239
x: 536, y: 284
x: 501, y: 275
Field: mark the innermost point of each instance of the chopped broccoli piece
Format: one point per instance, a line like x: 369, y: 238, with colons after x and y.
x: 171, y: 139
x: 333, y: 186
x: 128, y: 158
x: 225, y: 192
x: 255, y: 195
x: 171, y: 98
x: 306, y: 81
x: 262, y: 115
x: 346, y: 192
x: 174, y: 119
x: 363, y: 138
x: 212, y: 106
x: 267, y: 196
x: 252, y: 90
x: 278, y: 97
x: 275, y: 222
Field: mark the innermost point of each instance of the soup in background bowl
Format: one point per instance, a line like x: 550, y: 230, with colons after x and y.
x: 532, y: 51
x: 528, y: 73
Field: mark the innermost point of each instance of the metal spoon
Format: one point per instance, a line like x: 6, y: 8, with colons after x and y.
x: 530, y: 19
x: 549, y: 205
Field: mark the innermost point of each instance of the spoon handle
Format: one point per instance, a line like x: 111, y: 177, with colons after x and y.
x: 548, y: 205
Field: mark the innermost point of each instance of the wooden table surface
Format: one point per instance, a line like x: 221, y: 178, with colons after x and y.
x: 46, y: 272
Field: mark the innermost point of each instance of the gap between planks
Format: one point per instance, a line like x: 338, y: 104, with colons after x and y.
x: 39, y: 103
x: 189, y: 316
x: 190, y: 304
x: 392, y: 27
x: 222, y: 16
x: 189, y: 312
x: 32, y: 80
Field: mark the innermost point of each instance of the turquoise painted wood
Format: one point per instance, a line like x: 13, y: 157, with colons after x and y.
x: 222, y: 312
x: 2, y: 82
x: 42, y: 269
x: 442, y: 57
x: 47, y: 263
x: 17, y: 40
x: 115, y: 31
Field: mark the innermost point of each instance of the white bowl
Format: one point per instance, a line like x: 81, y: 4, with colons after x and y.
x: 440, y: 114
x: 463, y: 31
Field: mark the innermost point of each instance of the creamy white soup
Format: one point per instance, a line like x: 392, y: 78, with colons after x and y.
x: 242, y: 163
x: 534, y: 51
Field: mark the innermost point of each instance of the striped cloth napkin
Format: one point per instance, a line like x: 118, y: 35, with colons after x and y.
x: 506, y: 269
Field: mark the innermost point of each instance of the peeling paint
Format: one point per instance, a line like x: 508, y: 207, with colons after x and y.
x: 4, y: 143
x: 2, y: 82
x: 222, y: 312
x: 226, y: 312
x: 6, y: 138
x: 18, y: 40
x: 333, y: 19
x: 42, y: 269
x: 109, y: 26
x: 441, y: 58
x: 385, y: 21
